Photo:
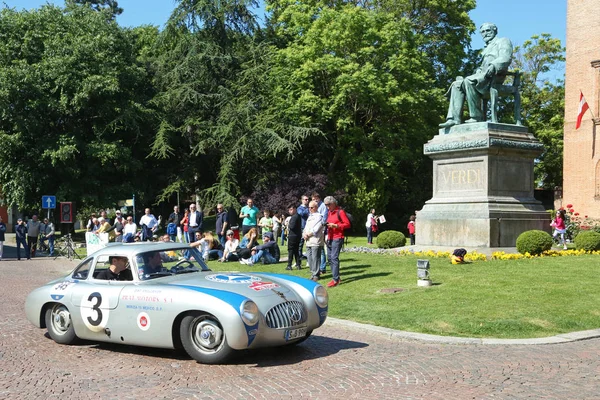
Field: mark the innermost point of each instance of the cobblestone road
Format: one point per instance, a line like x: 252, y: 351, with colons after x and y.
x: 335, y: 363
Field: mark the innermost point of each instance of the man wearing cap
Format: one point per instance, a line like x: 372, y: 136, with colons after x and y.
x: 48, y: 234
x: 268, y: 252
x: 21, y: 236
x: 118, y: 227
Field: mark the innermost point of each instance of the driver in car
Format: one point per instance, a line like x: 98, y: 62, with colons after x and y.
x: 118, y: 270
x: 152, y: 264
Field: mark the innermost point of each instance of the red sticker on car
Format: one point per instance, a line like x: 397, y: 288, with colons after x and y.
x: 260, y: 285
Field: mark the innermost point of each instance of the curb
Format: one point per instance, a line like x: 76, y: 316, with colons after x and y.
x: 404, y: 335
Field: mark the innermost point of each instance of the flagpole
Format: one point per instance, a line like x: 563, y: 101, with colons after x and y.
x: 589, y: 109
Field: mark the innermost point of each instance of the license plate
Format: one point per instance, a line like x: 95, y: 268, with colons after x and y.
x: 292, y: 334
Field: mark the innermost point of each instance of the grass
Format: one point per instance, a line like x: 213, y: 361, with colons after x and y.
x: 500, y: 298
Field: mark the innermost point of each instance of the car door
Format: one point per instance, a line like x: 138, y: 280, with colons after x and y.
x: 96, y: 301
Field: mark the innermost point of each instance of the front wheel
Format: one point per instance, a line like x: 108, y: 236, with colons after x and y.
x: 204, y: 339
x: 60, y: 324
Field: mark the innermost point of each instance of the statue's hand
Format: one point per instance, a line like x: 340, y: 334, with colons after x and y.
x: 471, y: 78
x: 491, y: 71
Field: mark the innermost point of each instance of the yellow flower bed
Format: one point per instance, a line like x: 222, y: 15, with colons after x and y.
x: 498, y: 255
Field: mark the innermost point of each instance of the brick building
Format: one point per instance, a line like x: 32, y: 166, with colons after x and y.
x: 581, y: 168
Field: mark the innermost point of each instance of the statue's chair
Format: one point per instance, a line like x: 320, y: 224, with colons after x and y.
x: 504, y: 90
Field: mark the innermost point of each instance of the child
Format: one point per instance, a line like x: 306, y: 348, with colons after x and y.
x: 266, y: 222
x: 172, y: 230
x: 558, y: 224
x: 411, y: 229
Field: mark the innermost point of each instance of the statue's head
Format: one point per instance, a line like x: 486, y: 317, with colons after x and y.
x: 488, y: 31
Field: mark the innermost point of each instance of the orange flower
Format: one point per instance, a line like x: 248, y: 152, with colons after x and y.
x: 569, y: 205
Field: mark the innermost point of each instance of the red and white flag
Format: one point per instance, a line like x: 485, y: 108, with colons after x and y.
x: 583, y: 107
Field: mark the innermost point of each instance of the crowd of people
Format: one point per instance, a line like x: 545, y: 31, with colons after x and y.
x: 30, y: 235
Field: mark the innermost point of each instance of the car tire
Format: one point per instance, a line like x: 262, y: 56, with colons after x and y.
x: 60, y: 325
x: 204, y: 339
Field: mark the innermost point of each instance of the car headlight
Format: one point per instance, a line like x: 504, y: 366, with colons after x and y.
x: 249, y: 312
x: 321, y: 296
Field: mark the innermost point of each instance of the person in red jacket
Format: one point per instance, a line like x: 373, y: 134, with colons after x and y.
x: 337, y: 222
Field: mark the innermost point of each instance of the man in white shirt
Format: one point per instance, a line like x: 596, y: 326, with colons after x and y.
x: 129, y: 230
x: 149, y: 225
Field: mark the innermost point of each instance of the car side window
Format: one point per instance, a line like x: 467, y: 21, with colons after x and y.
x: 82, y: 271
x: 101, y: 264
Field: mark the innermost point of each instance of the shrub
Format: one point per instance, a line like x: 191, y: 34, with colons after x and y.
x: 588, y: 241
x: 534, y: 242
x: 390, y: 239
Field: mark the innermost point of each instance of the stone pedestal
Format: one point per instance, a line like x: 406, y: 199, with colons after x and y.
x: 482, y: 187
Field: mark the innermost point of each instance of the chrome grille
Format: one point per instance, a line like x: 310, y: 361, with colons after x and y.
x: 286, y: 315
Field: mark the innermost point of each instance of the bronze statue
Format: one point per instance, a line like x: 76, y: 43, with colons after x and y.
x: 497, y: 56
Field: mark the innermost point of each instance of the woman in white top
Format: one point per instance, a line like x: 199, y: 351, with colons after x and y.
x: 371, y: 221
x: 129, y: 230
x: 276, y: 225
x: 230, y: 251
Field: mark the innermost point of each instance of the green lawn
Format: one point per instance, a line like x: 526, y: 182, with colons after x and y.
x: 499, y: 299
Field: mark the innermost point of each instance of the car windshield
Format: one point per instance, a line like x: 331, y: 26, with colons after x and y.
x: 156, y: 264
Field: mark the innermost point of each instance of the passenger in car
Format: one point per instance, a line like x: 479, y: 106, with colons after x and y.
x: 117, y: 271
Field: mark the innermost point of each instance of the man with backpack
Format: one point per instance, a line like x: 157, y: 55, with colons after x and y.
x: 337, y: 222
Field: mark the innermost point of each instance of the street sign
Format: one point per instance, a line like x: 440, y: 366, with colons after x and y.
x: 48, y: 201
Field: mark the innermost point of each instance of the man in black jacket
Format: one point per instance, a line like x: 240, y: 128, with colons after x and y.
x: 294, y: 236
x: 21, y: 236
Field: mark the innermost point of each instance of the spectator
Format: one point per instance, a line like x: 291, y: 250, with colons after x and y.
x: 337, y: 221
x: 249, y: 241
x: 90, y: 223
x: 21, y: 237
x: 195, y: 222
x: 268, y: 252
x: 176, y: 218
x: 266, y: 222
x: 249, y: 212
x: 48, y: 234
x: 222, y: 223
x: 104, y: 226
x: 214, y: 248
x: 371, y: 222
x: 559, y: 226
x: 171, y: 229
x: 412, y: 229
x: 118, y: 227
x: 33, y: 231
x: 323, y: 212
x: 313, y: 236
x: 130, y: 230
x: 276, y: 225
x: 2, y: 236
x: 294, y: 228
x: 149, y: 225
x: 95, y: 225
x: 230, y: 248
x: 284, y: 220
x: 303, y: 212
x: 184, y: 225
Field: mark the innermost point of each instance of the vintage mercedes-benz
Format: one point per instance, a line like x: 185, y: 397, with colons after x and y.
x: 164, y: 295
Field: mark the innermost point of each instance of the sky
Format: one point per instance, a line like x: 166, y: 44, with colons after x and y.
x: 517, y: 20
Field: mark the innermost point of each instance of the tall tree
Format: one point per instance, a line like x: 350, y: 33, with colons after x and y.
x: 111, y: 7
x: 543, y: 102
x: 74, y: 119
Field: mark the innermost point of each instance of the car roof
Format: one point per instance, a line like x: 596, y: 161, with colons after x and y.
x: 130, y: 249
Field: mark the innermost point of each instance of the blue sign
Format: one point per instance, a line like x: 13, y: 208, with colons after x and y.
x: 48, y: 201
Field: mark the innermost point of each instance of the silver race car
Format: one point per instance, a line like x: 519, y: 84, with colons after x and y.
x: 164, y: 295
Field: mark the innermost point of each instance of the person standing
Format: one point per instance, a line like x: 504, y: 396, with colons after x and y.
x: 371, y: 222
x: 412, y: 229
x: 337, y: 221
x: 21, y: 236
x: 149, y: 224
x: 313, y: 237
x: 48, y: 234
x: 294, y: 235
x: 176, y: 217
x: 2, y: 232
x: 303, y: 212
x: 184, y: 225
x: 222, y: 224
x: 129, y: 230
x: 195, y: 222
x: 266, y: 222
x: 322, y: 208
x: 33, y: 231
x: 560, y: 228
x: 249, y: 213
x: 118, y: 226
x: 276, y: 225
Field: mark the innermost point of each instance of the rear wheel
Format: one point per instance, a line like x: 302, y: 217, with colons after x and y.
x: 60, y: 324
x: 203, y: 338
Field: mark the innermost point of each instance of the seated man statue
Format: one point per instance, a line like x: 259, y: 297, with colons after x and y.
x: 497, y: 56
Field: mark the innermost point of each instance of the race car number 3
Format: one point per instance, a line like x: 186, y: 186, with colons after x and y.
x: 94, y: 311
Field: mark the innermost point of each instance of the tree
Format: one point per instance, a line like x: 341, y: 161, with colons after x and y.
x: 111, y: 7
x: 543, y: 103
x: 74, y: 118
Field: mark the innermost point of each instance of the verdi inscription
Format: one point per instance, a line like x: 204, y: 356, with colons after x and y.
x: 460, y: 177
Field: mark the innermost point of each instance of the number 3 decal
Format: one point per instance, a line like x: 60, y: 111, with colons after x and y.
x: 94, y: 311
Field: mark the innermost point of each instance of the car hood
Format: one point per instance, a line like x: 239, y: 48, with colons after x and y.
x: 250, y: 285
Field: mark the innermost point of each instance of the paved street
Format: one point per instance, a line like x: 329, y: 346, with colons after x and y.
x: 336, y: 362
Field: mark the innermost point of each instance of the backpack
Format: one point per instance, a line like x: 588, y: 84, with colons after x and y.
x: 348, y: 215
x: 171, y: 229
